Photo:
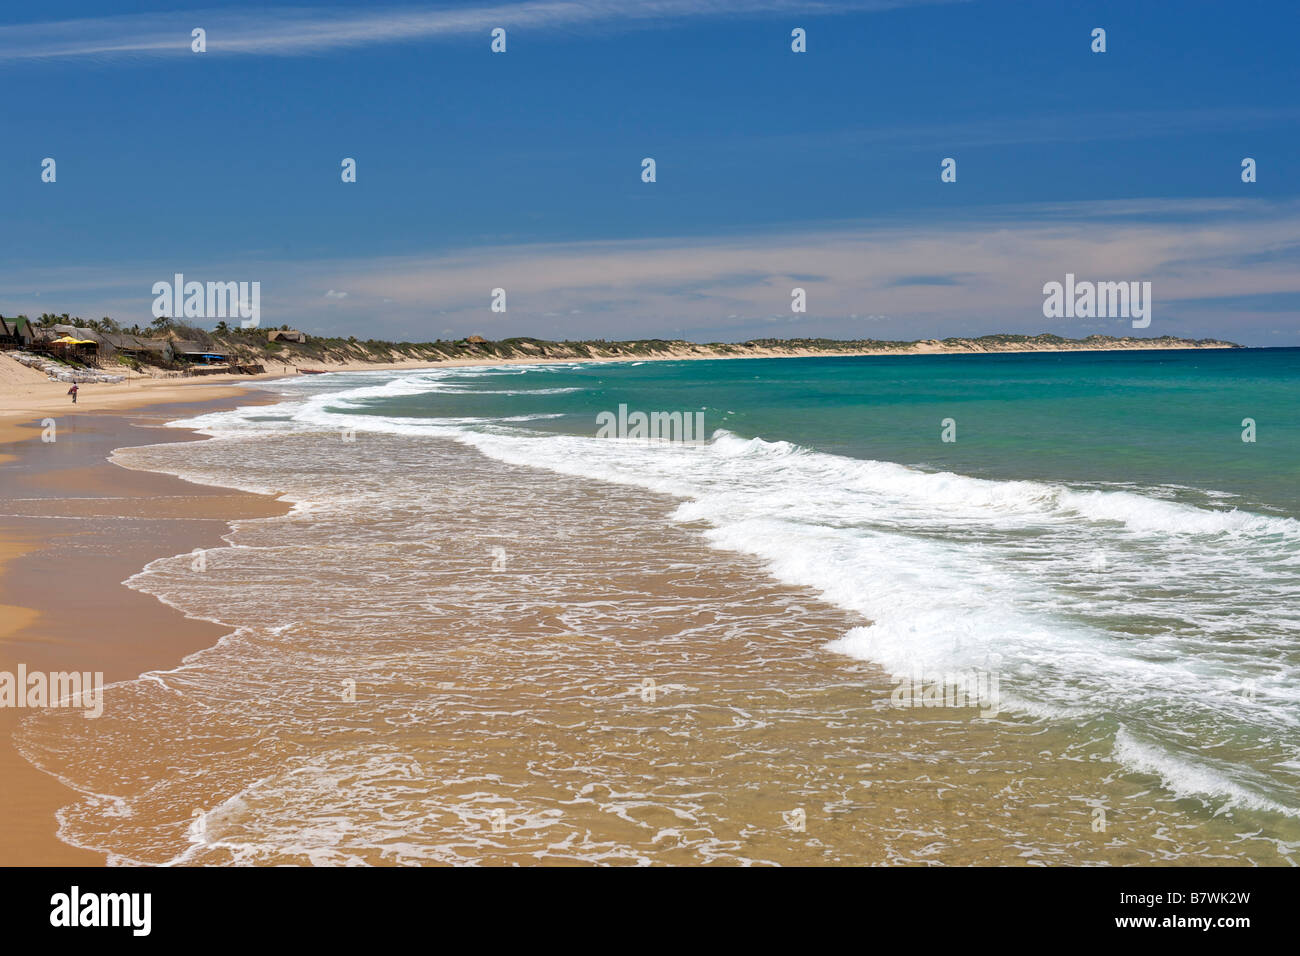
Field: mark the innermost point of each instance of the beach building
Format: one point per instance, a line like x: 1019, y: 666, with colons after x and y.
x: 196, y: 353
x: 136, y: 346
x: 63, y: 331
x: 69, y: 346
x: 16, y: 333
x: 109, y: 343
x: 90, y: 343
x: 286, y: 335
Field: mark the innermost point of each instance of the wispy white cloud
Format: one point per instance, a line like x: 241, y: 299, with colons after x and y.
x: 303, y: 31
x: 977, y: 275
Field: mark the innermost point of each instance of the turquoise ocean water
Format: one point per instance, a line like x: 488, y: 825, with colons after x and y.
x: 1098, y: 535
x: 1098, y: 531
x: 1171, y: 419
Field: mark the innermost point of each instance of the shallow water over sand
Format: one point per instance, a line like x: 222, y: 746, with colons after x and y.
x: 498, y: 627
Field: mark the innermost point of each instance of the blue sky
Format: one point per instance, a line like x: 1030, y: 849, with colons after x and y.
x: 522, y: 170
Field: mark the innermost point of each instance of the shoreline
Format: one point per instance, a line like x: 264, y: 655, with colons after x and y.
x: 149, y: 635
x: 74, y: 527
x: 115, y: 520
x: 27, y: 394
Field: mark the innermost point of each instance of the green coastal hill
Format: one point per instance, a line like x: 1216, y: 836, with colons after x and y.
x: 169, y: 344
x: 248, y: 347
x: 252, y: 345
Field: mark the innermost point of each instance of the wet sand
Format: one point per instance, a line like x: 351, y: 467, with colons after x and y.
x: 388, y: 695
x: 519, y: 690
x: 72, y: 528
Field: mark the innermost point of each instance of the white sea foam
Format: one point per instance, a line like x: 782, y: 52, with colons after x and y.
x: 952, y: 571
x: 1186, y: 777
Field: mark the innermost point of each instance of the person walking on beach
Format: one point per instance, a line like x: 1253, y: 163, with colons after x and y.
x: 73, y: 392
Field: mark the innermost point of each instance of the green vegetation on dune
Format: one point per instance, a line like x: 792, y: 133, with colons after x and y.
x: 523, y: 347
x: 253, y: 346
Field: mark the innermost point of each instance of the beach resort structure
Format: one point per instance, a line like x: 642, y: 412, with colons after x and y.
x: 107, y: 344
x: 196, y: 353
x: 16, y: 333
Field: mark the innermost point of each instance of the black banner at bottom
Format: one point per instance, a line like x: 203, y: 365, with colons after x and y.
x: 331, y: 906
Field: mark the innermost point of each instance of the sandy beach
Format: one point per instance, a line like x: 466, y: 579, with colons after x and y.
x: 529, y: 643
x: 27, y: 392
x: 75, y: 526
x: 72, y: 528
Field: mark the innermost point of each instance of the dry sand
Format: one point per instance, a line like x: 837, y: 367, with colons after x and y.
x: 26, y: 393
